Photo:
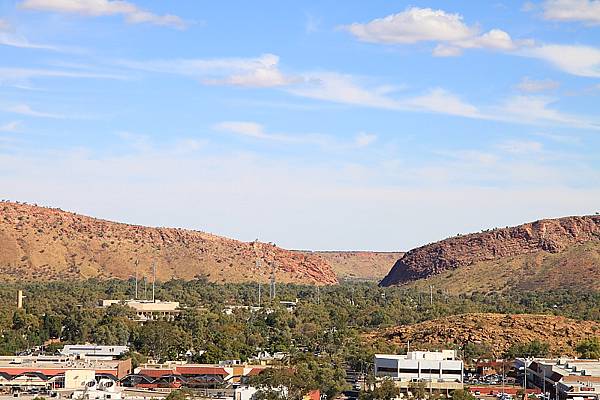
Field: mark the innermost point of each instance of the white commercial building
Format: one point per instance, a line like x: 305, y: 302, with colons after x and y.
x: 148, y: 310
x: 438, y: 369
x: 93, y: 351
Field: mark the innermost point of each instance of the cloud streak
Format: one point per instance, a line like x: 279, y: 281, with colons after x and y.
x: 586, y: 11
x: 12, y: 126
x: 24, y: 109
x: 257, y: 131
x: 96, y: 8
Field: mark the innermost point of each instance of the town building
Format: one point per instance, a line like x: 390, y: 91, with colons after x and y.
x: 148, y: 310
x: 95, y: 351
x: 564, y: 379
x: 438, y: 370
x: 57, y: 372
x: 175, y: 374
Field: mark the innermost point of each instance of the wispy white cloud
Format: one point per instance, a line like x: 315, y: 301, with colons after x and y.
x: 521, y: 147
x: 262, y: 71
x: 537, y: 110
x: 24, y: 109
x: 364, y: 139
x: 95, y: 8
x: 532, y: 85
x: 415, y: 24
x: 564, y: 139
x: 12, y: 126
x: 586, y: 11
x: 359, y: 91
x: 8, y: 37
x: 441, y: 101
x: 347, y: 89
x: 258, y: 131
x: 21, y: 77
x: 573, y: 59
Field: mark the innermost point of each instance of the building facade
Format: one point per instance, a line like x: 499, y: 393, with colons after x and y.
x: 564, y: 379
x: 438, y: 370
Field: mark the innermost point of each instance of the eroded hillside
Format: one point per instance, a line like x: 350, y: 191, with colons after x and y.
x: 496, y: 247
x: 45, y: 244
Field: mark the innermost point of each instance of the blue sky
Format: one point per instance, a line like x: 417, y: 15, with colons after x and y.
x: 376, y: 125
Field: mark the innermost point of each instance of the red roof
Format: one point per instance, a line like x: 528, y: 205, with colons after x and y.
x: 255, y: 371
x: 157, y: 373
x: 187, y: 370
x: 50, y: 371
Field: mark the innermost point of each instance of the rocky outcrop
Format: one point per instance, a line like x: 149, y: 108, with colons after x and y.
x: 46, y: 244
x: 498, y: 332
x: 550, y: 235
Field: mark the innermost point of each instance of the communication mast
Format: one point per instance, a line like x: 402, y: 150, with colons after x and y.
x: 136, y: 279
x: 258, y: 263
x: 153, y: 280
x: 272, y: 285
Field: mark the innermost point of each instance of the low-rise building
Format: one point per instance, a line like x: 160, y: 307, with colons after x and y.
x: 189, y: 375
x: 148, y: 310
x: 90, y: 351
x: 57, y: 372
x: 439, y: 370
x: 564, y: 379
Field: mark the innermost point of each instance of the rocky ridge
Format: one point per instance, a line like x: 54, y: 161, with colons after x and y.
x: 548, y: 235
x: 41, y: 243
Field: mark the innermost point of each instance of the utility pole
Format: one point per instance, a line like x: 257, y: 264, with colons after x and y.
x: 525, y: 380
x: 272, y: 288
x: 544, y: 383
x: 136, y: 279
x: 258, y: 264
x: 145, y: 288
x: 431, y: 295
x: 153, y: 280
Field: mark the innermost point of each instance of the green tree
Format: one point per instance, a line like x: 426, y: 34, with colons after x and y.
x: 534, y: 348
x: 386, y: 390
x: 461, y: 394
x: 589, y: 348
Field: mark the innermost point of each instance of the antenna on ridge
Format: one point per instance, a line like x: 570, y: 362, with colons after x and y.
x: 136, y: 279
x: 258, y: 263
x: 153, y: 280
x: 272, y: 286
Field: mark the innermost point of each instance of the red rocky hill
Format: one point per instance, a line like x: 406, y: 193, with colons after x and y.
x: 492, y: 250
x: 45, y: 243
